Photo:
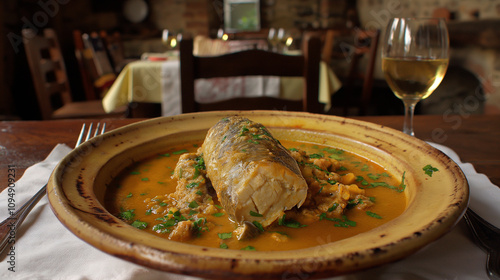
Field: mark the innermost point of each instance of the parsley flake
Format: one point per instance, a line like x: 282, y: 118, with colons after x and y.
x: 429, y: 170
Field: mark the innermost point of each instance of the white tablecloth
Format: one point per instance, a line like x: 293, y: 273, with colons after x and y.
x: 159, y: 82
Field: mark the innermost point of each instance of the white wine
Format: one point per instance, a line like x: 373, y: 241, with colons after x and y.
x: 413, y: 78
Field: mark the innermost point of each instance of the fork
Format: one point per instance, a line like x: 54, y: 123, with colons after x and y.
x: 488, y: 238
x: 14, y: 221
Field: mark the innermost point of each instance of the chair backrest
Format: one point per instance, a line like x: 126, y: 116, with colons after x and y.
x: 47, y: 69
x: 94, y: 63
x: 114, y: 46
x: 252, y: 62
x: 364, y: 44
x: 85, y: 66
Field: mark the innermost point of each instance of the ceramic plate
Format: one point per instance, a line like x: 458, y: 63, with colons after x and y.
x: 434, y: 204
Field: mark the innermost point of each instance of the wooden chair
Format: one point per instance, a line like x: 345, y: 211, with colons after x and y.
x: 96, y: 67
x: 364, y: 44
x: 51, y: 82
x: 256, y: 63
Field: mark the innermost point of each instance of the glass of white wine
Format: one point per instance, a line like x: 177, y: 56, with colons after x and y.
x: 273, y: 40
x: 415, y: 57
x: 169, y: 39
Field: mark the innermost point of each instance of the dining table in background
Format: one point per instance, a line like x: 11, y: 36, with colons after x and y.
x: 475, y: 138
x: 158, y: 81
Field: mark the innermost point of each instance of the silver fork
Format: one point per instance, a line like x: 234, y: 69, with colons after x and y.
x: 14, y: 221
x: 487, y: 237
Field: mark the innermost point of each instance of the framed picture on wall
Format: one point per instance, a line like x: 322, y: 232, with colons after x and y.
x: 241, y: 15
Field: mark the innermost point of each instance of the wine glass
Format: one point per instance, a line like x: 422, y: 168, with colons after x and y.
x: 415, y: 57
x: 285, y: 39
x: 169, y: 39
x: 272, y: 38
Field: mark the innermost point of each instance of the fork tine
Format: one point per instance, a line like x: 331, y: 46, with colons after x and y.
x: 97, y: 129
x: 103, y: 128
x: 80, y: 137
x: 89, y: 131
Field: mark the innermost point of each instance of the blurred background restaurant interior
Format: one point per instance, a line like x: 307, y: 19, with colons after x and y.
x: 471, y: 86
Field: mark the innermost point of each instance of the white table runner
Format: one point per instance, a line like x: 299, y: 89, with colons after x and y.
x: 212, y: 90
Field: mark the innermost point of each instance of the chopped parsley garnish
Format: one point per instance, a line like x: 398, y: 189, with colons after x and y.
x: 249, y: 248
x: 334, y: 206
x: 353, y: 203
x: 258, y: 225
x: 373, y: 215
x: 345, y: 222
x: 334, y: 153
x: 193, y: 204
x: 179, y: 152
x: 429, y: 170
x: 314, y: 166
x: 200, y: 165
x: 168, y: 222
x: 342, y: 168
x: 223, y: 246
x: 291, y: 223
x: 138, y: 224
x: 135, y: 173
x: 127, y: 214
x: 219, y: 214
x: 255, y: 214
x: 192, y: 185
x: 338, y: 222
x: 402, y: 186
x: 225, y: 235
x: 371, y: 185
x: 163, y: 204
x: 316, y: 156
x: 129, y: 195
x: 243, y: 131
x: 198, y: 226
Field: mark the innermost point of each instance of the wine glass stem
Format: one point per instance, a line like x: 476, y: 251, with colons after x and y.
x: 409, y: 112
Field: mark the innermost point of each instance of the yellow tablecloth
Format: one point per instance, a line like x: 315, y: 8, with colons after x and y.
x: 143, y: 81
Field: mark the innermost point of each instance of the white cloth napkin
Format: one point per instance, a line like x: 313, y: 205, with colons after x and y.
x: 45, y: 249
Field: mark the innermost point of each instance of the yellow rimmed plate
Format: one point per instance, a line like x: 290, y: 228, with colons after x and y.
x: 434, y: 204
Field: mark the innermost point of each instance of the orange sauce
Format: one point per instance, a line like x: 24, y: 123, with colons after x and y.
x: 151, y: 179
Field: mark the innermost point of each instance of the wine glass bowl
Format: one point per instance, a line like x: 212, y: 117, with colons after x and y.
x: 272, y: 39
x: 169, y: 39
x: 415, y: 58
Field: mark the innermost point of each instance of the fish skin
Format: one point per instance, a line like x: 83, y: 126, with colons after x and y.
x: 251, y: 171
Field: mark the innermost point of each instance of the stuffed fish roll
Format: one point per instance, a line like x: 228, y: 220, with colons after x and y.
x: 255, y: 177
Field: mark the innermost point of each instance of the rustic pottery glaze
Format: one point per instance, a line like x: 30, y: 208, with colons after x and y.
x: 434, y: 204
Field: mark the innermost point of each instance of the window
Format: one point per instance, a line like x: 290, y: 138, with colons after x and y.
x: 241, y: 15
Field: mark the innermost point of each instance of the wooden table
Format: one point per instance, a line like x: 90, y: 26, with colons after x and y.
x: 476, y: 138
